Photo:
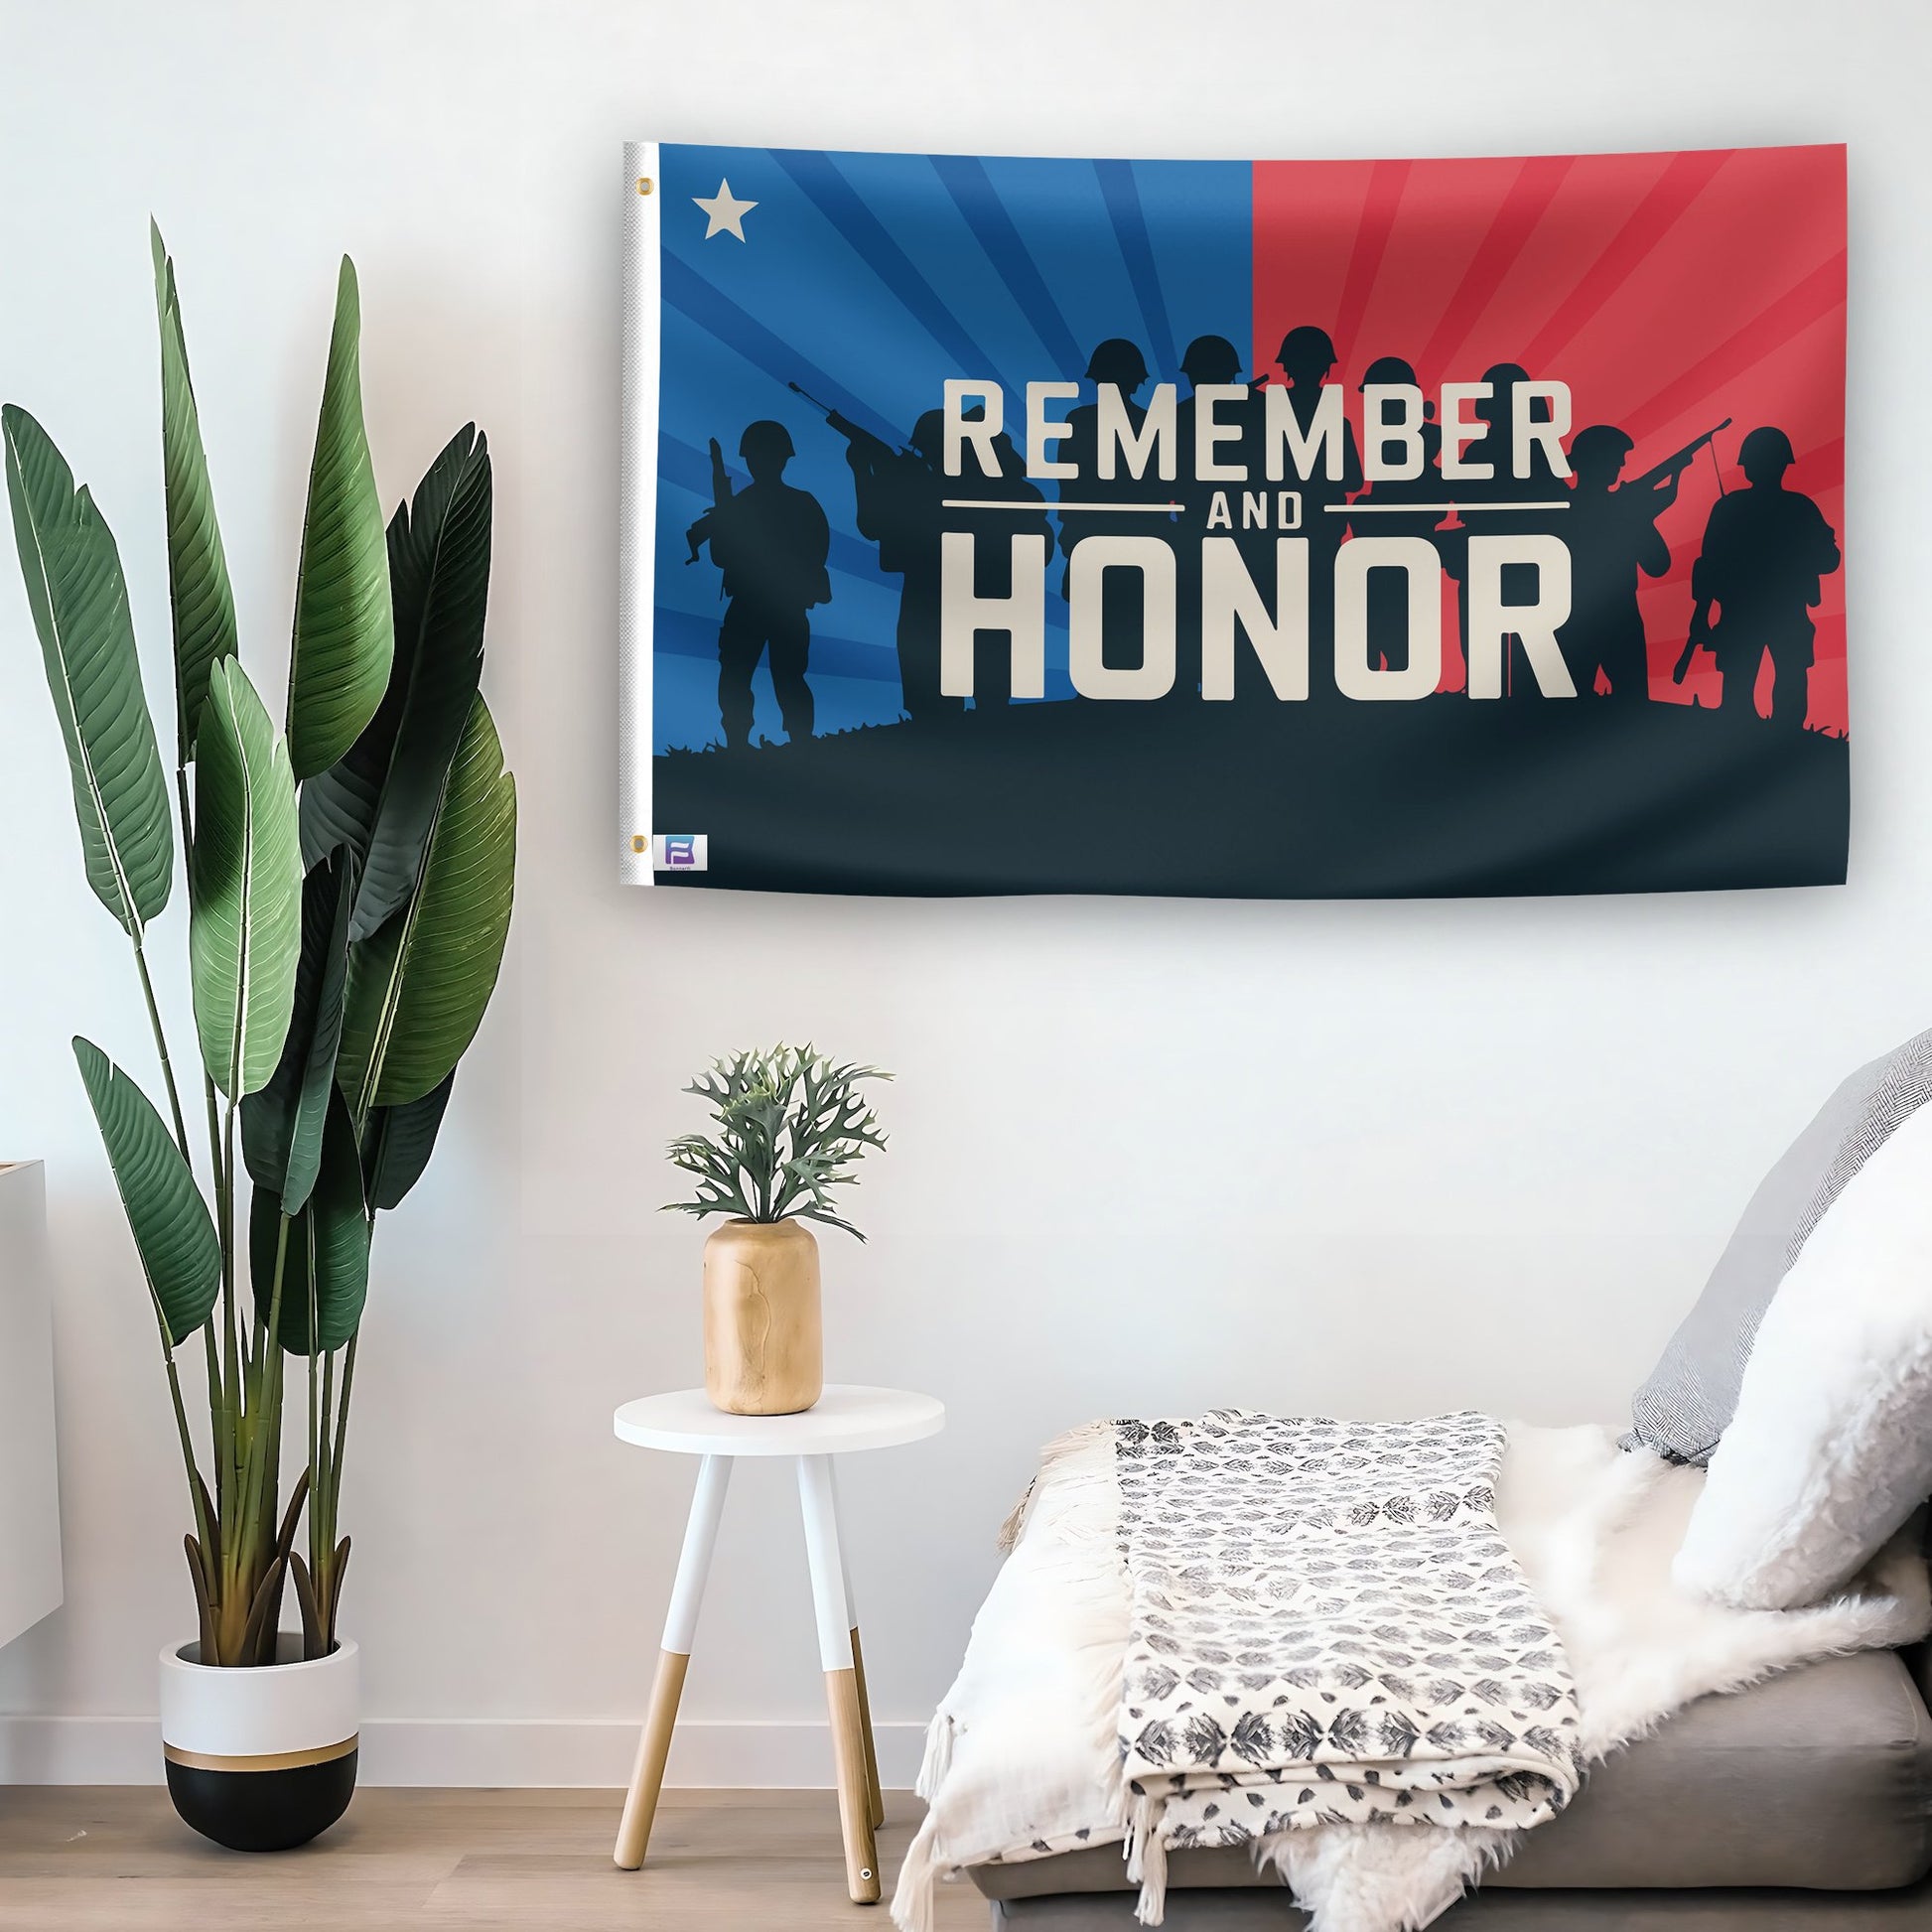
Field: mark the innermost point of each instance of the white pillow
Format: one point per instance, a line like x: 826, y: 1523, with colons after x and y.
x: 1829, y: 1450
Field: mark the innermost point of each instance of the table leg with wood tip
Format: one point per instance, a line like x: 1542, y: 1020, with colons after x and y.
x: 858, y: 1672
x: 680, y: 1626
x: 819, y: 1507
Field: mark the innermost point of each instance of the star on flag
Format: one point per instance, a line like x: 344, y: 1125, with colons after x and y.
x: 724, y: 212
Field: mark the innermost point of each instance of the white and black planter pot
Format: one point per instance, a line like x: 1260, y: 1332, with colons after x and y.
x: 261, y: 1759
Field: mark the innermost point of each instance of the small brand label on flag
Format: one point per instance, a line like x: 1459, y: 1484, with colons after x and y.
x: 678, y: 852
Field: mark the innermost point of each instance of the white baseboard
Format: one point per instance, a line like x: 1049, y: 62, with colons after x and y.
x: 483, y: 1752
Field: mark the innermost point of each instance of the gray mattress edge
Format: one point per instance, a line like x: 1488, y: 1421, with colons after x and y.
x: 1843, y: 1806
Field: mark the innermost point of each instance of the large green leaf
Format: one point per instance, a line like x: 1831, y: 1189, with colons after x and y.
x: 244, y: 932
x: 399, y: 1142
x: 281, y: 1126
x: 417, y: 990
x: 326, y: 1264
x: 197, y: 571
x: 78, y: 599
x: 343, y: 631
x: 172, y: 1233
x: 380, y: 797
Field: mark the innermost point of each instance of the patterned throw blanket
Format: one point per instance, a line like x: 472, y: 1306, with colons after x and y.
x: 1327, y: 1626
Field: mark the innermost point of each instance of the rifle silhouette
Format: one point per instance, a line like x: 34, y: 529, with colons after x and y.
x: 1671, y: 465
x: 859, y: 438
x: 1675, y: 464
x: 721, y: 494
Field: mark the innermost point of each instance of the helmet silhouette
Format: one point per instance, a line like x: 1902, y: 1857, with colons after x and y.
x: 1119, y: 361
x: 1502, y: 378
x: 927, y: 430
x: 1767, y: 447
x: 1389, y: 368
x: 765, y: 438
x: 1211, y: 359
x: 1600, y: 442
x: 1309, y: 348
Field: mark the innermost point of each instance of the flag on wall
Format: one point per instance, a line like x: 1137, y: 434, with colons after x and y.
x: 1300, y: 529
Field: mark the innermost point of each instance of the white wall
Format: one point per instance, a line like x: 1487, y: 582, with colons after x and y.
x: 1146, y: 1155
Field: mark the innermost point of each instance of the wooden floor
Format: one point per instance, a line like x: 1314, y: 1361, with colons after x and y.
x: 116, y: 1859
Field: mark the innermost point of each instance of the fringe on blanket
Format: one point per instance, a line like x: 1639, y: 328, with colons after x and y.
x: 937, y: 1761
x: 1058, y: 1451
x: 922, y: 1870
x: 1147, y: 1860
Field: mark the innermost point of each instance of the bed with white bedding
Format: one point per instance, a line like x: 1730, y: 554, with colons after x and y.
x: 1026, y: 1766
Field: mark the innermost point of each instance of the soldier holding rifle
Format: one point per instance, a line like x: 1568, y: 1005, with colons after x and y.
x: 1765, y: 550
x: 1611, y: 532
x: 771, y: 541
x: 902, y: 497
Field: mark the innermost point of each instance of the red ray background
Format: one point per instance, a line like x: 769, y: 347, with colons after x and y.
x: 1668, y: 290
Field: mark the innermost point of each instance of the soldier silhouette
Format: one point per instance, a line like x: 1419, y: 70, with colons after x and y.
x: 1118, y: 365
x: 898, y: 508
x: 1388, y: 602
x: 1213, y: 361
x: 1497, y: 447
x: 1611, y: 531
x: 1308, y: 358
x: 771, y: 541
x: 1765, y: 548
x: 902, y: 508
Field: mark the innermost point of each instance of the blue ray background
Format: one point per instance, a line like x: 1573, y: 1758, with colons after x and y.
x: 870, y: 279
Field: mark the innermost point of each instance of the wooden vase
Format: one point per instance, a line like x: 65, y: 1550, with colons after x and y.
x: 764, y: 1343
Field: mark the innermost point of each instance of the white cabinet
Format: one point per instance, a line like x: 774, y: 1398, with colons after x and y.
x: 30, y: 1511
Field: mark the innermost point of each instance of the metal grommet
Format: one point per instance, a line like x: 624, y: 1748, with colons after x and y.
x: 640, y: 842
x: 643, y: 183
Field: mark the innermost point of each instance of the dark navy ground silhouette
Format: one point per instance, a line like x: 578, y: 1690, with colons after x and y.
x: 1446, y: 794
x: 771, y: 541
x: 1765, y: 548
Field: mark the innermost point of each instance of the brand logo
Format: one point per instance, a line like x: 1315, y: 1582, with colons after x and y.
x: 679, y: 852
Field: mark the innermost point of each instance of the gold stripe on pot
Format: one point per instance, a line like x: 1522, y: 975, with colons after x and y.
x: 267, y: 1761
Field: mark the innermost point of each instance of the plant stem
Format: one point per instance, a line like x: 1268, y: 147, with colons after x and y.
x: 220, y: 1416
x: 342, y: 1413
x: 242, y: 1573
x: 191, y: 1468
x: 231, y: 1346
x: 187, y: 814
x: 234, y: 1415
x: 187, y: 1448
x: 161, y: 1048
x: 317, y: 1436
x: 267, y: 1411
x: 321, y: 1518
x: 326, y: 1544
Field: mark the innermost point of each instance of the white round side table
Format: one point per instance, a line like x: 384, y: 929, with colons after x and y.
x: 844, y: 1420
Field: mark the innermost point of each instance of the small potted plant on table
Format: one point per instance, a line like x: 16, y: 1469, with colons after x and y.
x: 789, y: 1127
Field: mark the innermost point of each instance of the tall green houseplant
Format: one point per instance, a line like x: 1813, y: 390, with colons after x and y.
x: 350, y: 881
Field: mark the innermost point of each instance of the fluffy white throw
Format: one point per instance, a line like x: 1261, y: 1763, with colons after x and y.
x: 1022, y: 1758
